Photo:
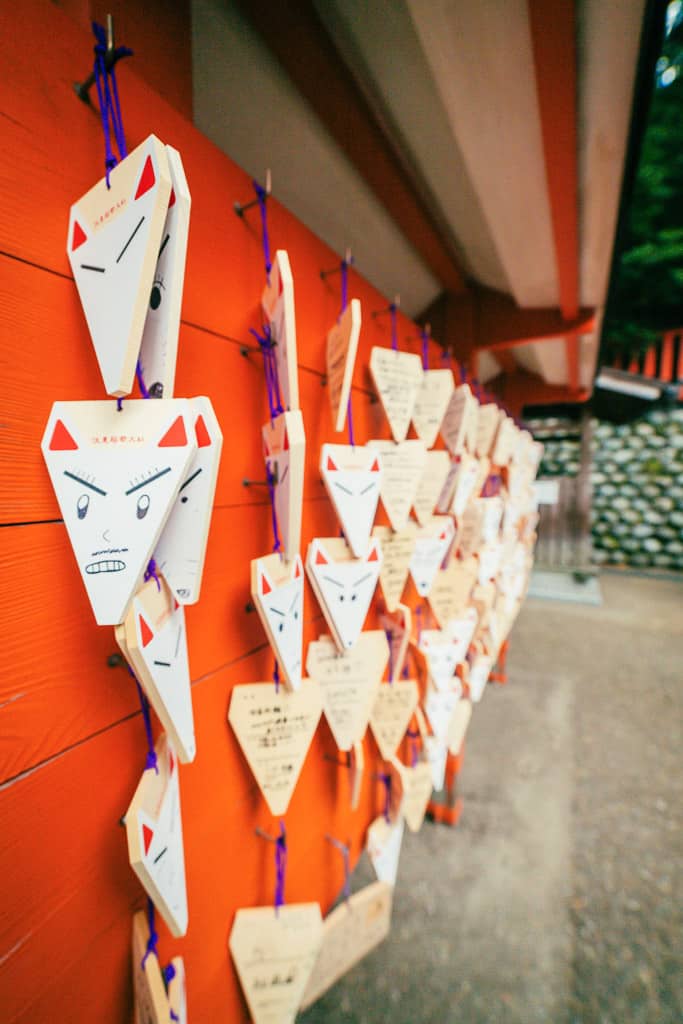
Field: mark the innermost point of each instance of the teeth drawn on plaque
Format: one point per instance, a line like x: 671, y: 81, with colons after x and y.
x: 115, y: 476
x: 352, y: 478
x: 278, y: 593
x: 344, y: 587
x: 114, y: 237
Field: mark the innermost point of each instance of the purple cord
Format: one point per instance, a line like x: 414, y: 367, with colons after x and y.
x: 386, y: 779
x: 108, y: 97
x: 389, y: 634
x: 446, y: 356
x: 262, y: 197
x: 418, y: 613
x: 168, y: 973
x: 424, y: 335
x: 344, y: 268
x: 276, y: 676
x: 394, y: 329
x: 269, y: 370
x: 151, y: 759
x: 413, y: 736
x: 141, y: 380
x: 280, y: 866
x: 153, y: 935
x: 151, y: 573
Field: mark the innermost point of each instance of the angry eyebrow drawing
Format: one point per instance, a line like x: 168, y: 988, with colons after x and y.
x: 116, y: 476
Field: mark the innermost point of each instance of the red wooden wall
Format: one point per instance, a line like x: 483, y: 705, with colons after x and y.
x: 72, y: 741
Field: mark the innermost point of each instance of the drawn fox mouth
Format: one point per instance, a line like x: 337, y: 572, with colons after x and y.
x: 106, y: 565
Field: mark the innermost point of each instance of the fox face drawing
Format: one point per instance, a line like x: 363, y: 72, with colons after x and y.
x: 352, y: 478
x: 278, y: 593
x: 344, y: 585
x: 115, y: 476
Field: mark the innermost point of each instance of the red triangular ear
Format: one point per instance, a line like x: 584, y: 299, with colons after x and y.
x: 374, y: 468
x: 330, y: 465
x: 147, y: 837
x: 373, y: 556
x: 297, y: 568
x: 171, y: 762
x: 443, y: 535
x: 285, y: 442
x: 176, y: 606
x: 147, y: 178
x: 280, y: 286
x: 62, y: 441
x: 320, y: 558
x: 146, y: 633
x: 202, y: 434
x: 265, y: 586
x: 171, y: 201
x: 175, y: 436
x: 78, y: 237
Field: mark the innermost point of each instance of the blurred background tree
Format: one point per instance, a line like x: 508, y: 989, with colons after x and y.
x: 646, y: 296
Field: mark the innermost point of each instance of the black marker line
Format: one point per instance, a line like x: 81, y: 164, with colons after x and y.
x: 366, y: 489
x: 165, y: 664
x: 86, y: 266
x: 342, y: 488
x: 163, y: 245
x: 296, y: 598
x: 336, y: 582
x: 160, y: 855
x: 190, y: 479
x: 362, y: 579
x: 282, y: 478
x: 144, y: 483
x: 139, y: 225
x: 177, y: 643
x: 79, y: 480
x: 277, y: 611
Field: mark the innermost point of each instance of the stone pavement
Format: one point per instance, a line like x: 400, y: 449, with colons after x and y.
x: 558, y: 898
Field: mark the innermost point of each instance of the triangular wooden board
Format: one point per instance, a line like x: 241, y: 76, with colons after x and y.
x: 402, y: 466
x: 461, y: 628
x: 343, y: 585
x: 459, y: 426
x: 487, y: 426
x: 432, y: 544
x: 149, y: 992
x: 352, y: 930
x: 459, y: 723
x: 349, y: 682
x: 181, y: 548
x: 436, y: 755
x: 397, y: 377
x: 465, y: 483
x: 342, y: 345
x: 113, y: 244
x: 116, y: 475
x: 159, y: 347
x: 490, y: 557
x: 434, y: 475
x: 397, y: 551
x: 154, y: 830
x: 275, y: 731
x: 397, y: 627
x: 284, y: 449
x: 479, y: 677
x: 504, y: 444
x: 439, y: 706
x: 277, y: 303
x: 277, y: 590
x: 390, y: 717
x: 441, y: 656
x: 352, y: 476
x: 451, y: 588
x: 153, y: 639
x: 177, y: 992
x: 417, y: 791
x: 383, y: 843
x: 445, y: 499
x: 274, y: 953
x: 431, y: 403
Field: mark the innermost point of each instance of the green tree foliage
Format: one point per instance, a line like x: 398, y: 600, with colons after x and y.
x: 647, y: 293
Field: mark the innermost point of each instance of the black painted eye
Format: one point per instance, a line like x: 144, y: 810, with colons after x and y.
x: 184, y: 498
x: 155, y: 297
x: 353, y: 597
x: 280, y: 627
x: 82, y: 506
x: 341, y: 597
x: 143, y: 506
x: 296, y: 615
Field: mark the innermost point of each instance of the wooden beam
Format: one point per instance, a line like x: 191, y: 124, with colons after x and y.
x: 294, y: 33
x: 515, y: 390
x: 553, y: 37
x: 502, y: 324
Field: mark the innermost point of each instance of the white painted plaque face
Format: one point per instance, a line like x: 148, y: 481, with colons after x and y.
x: 432, y: 544
x: 284, y: 449
x: 277, y: 302
x: 487, y: 427
x: 113, y: 244
x: 458, y: 427
x: 352, y: 930
x: 402, y: 466
x: 344, y: 585
x: 431, y: 403
x: 116, y: 476
x: 159, y: 347
x: 155, y: 838
x: 181, y: 548
x: 461, y: 629
x: 417, y: 791
x: 154, y: 640
x: 436, y: 753
x: 349, y: 683
x: 275, y: 731
x: 478, y: 677
x: 352, y: 478
x: 397, y: 377
x: 397, y: 551
x: 441, y: 656
x: 383, y: 843
x: 393, y: 708
x: 465, y: 483
x: 434, y: 475
x: 277, y: 590
x: 439, y: 707
x: 274, y: 955
x: 506, y: 438
x: 342, y: 345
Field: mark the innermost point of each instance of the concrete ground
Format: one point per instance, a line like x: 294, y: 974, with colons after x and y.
x: 559, y: 896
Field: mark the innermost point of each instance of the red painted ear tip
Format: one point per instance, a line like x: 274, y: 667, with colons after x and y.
x: 330, y: 465
x: 201, y: 433
x: 175, y: 436
x: 265, y: 585
x: 61, y: 440
x: 146, y: 633
x: 373, y: 556
x: 320, y: 558
x: 171, y: 201
x: 147, y: 836
x: 374, y: 468
x: 297, y: 568
x: 285, y: 442
x: 78, y: 236
x: 147, y: 178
